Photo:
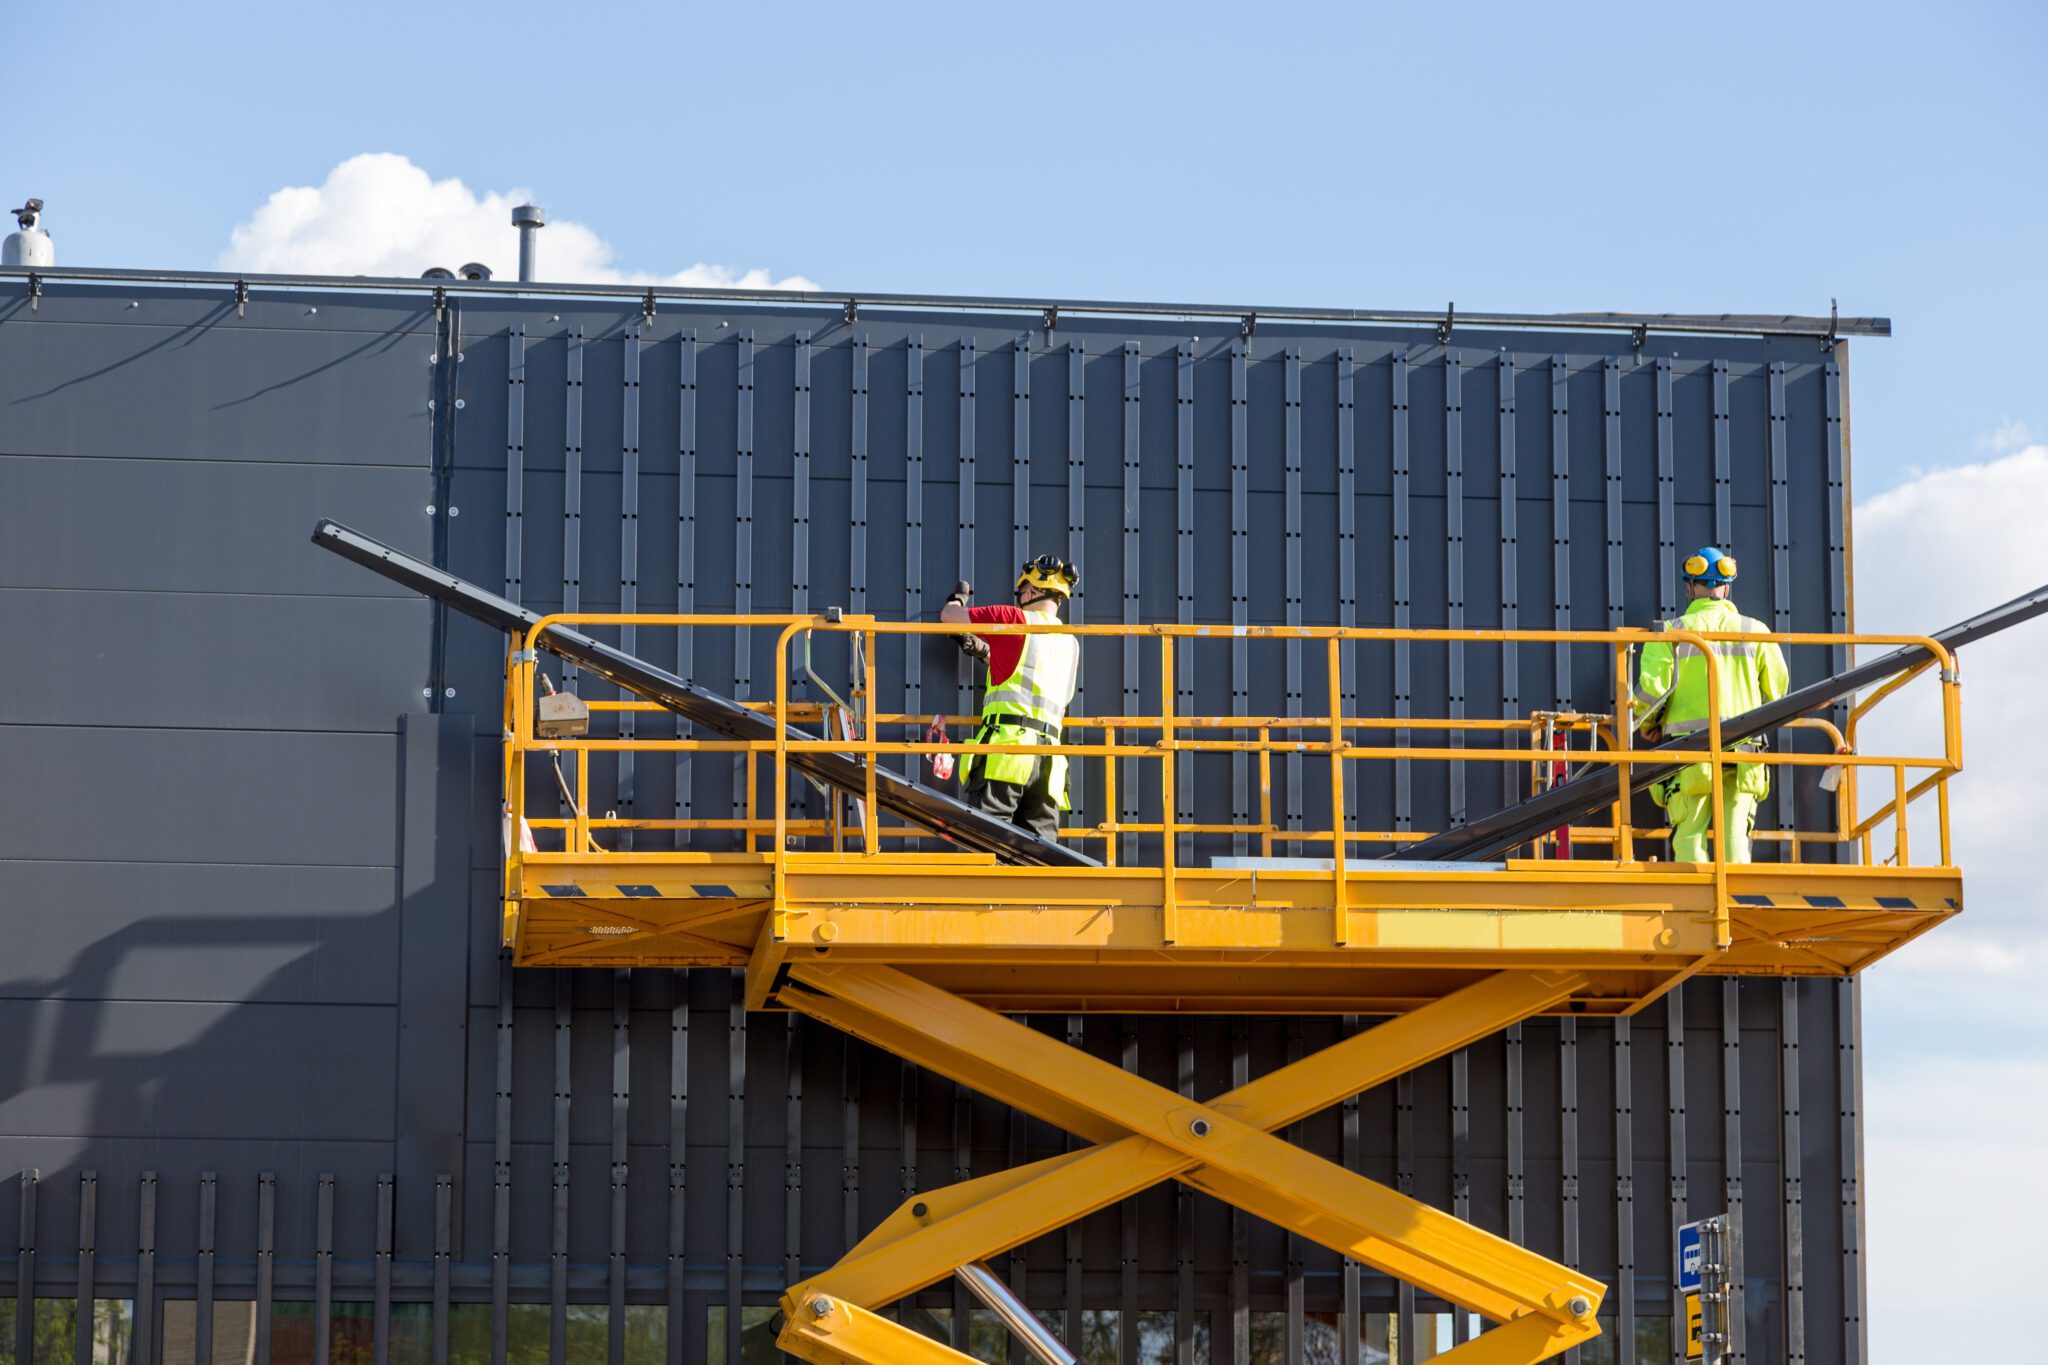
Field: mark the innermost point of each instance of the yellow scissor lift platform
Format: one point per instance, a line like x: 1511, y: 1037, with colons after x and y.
x: 923, y: 953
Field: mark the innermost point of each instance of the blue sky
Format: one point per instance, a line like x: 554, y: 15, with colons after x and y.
x: 1513, y: 157
x: 1725, y: 158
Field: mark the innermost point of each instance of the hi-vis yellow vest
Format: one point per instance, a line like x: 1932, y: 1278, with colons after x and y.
x: 1028, y: 707
x: 1672, y: 690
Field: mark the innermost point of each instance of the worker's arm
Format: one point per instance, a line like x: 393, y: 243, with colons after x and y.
x: 1773, y: 678
x: 1653, y: 688
x: 954, y: 613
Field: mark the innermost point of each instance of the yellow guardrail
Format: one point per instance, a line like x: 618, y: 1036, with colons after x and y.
x: 1164, y: 736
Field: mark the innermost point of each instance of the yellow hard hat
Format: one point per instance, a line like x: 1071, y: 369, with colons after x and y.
x: 1049, y: 573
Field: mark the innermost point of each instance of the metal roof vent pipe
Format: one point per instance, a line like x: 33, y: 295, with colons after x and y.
x: 31, y: 246
x: 529, y: 219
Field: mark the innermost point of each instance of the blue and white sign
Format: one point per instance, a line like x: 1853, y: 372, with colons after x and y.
x: 1689, y: 1258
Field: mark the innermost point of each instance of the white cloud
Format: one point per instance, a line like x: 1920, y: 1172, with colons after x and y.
x: 2009, y: 435
x: 1955, y: 1209
x: 379, y: 214
x: 1956, y: 1056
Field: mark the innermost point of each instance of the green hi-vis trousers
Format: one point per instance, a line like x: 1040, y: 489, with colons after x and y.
x: 1692, y: 824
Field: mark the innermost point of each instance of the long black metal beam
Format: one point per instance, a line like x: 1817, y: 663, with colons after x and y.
x: 1586, y: 794
x: 1047, y: 309
x: 922, y: 806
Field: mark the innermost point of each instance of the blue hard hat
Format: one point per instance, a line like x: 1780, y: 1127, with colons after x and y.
x: 1709, y: 565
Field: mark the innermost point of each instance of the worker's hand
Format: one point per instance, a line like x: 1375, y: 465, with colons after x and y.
x: 1652, y: 734
x: 963, y: 592
x: 973, y: 646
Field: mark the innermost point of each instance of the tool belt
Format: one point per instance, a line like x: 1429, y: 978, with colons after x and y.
x: 989, y: 724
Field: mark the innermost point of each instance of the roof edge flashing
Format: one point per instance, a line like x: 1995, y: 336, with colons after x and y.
x: 845, y: 302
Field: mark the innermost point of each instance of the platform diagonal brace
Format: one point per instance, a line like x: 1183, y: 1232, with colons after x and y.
x: 984, y: 1217
x: 1283, y: 1183
x: 828, y: 1331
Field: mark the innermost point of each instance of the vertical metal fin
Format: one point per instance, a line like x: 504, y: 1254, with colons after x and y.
x: 1133, y: 773
x: 913, y: 530
x: 686, y: 546
x: 629, y: 567
x: 202, y: 1285
x: 88, y: 1241
x: 1454, y: 569
x: 1561, y: 526
x: 1791, y: 1163
x: 1625, y: 1188
x: 558, y: 1245
x: 1290, y: 459
x: 622, y: 1072
x: 515, y: 463
x: 380, y: 1307
x: 1240, y: 577
x: 266, y: 1262
x: 1510, y: 567
x: 323, y: 1274
x: 857, y: 480
x: 1020, y: 449
x: 1183, y: 584
x: 1403, y: 584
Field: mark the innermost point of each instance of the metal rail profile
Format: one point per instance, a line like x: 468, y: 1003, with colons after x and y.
x: 849, y: 304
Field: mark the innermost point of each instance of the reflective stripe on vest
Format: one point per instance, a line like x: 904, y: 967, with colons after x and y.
x: 1745, y: 650
x: 1042, y: 685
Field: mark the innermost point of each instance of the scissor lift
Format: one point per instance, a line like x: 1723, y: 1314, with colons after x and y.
x: 866, y: 927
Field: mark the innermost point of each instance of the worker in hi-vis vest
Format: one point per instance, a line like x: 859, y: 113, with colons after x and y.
x: 1031, y: 682
x: 1671, y: 700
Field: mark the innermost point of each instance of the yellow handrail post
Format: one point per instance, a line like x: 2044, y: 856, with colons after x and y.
x: 869, y: 839
x: 1169, y: 907
x: 1723, y: 930
x: 1109, y: 796
x: 1266, y: 791
x: 583, y: 841
x: 1941, y: 816
x: 779, y: 855
x: 752, y: 836
x: 1901, y: 845
x: 1625, y: 740
x: 1340, y: 909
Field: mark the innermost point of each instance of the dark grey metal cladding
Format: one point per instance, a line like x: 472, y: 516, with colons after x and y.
x: 233, y: 874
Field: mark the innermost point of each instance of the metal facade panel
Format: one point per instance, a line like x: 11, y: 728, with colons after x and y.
x: 202, y: 931
x: 55, y: 514
x: 107, y: 656
x: 603, y: 457
x: 112, y: 795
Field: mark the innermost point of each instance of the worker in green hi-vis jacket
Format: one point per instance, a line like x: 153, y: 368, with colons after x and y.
x: 1671, y: 700
x: 1031, y: 682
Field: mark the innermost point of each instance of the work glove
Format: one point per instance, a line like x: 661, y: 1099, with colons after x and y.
x: 973, y: 646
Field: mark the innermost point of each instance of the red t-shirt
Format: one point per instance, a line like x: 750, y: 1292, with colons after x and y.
x: 1003, y: 650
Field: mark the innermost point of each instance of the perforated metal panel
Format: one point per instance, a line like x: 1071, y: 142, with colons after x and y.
x: 250, y: 852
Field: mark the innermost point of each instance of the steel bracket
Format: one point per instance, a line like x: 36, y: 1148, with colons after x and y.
x: 440, y: 301
x: 1827, y: 343
x: 851, y: 314
x: 524, y: 656
x: 35, y: 292
x: 1248, y: 325
x: 1443, y: 329
x: 647, y: 307
x: 1639, y: 335
x: 1051, y: 317
x: 241, y: 298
